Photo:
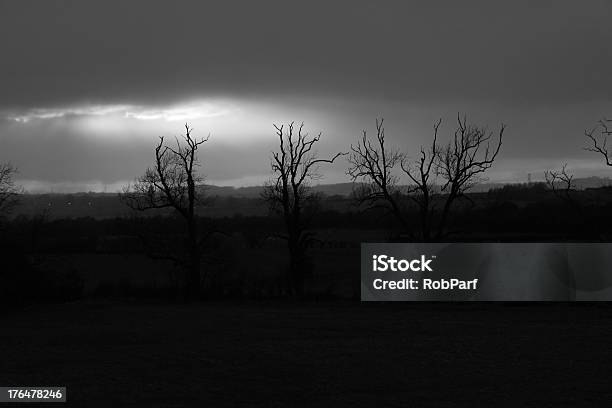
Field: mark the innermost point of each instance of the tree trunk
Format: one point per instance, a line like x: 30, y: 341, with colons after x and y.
x: 295, y: 272
x: 446, y: 210
x: 193, y: 279
x: 193, y: 273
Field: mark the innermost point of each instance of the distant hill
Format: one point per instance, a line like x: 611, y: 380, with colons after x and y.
x: 342, y: 189
x: 345, y: 189
x: 592, y: 182
x: 226, y: 200
x: 229, y: 191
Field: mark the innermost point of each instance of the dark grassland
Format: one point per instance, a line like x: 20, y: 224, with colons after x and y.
x: 312, y: 354
x: 84, y: 306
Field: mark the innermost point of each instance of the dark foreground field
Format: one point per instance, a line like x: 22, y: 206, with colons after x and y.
x: 306, y: 354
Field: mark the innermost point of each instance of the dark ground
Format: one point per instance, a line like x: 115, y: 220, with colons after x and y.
x: 275, y: 353
x: 281, y: 354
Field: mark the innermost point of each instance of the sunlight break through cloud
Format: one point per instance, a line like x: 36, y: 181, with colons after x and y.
x: 190, y: 111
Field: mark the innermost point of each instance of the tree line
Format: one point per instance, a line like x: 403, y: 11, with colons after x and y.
x: 438, y: 178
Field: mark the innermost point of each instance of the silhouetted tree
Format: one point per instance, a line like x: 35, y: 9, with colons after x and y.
x: 561, y: 183
x: 173, y: 182
x: 469, y: 154
x: 598, y: 139
x: 423, y: 191
x: 9, y: 191
x: 439, y: 174
x: 295, y: 165
x: 372, y: 164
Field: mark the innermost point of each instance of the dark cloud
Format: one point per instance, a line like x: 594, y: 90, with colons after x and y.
x: 541, y: 67
x: 155, y: 51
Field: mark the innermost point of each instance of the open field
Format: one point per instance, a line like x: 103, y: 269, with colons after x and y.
x: 278, y: 354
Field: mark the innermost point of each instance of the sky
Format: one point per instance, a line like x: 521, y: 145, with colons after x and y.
x: 86, y: 87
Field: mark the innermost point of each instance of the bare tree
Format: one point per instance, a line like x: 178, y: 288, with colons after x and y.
x: 462, y: 162
x: 173, y: 182
x: 561, y: 183
x: 438, y: 174
x: 423, y: 190
x: 372, y: 164
x: 9, y: 191
x: 598, y: 139
x: 295, y: 165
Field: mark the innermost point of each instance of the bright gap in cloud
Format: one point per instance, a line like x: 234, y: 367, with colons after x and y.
x: 179, y: 112
x: 227, y: 120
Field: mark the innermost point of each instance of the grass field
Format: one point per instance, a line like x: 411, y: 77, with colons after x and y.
x: 336, y: 354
